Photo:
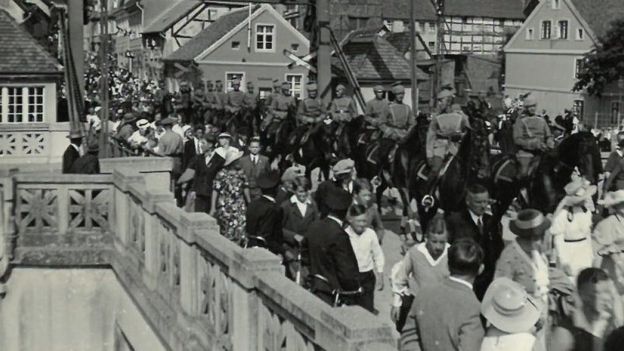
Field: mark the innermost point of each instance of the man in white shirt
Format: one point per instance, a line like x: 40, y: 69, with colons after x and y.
x: 368, y: 253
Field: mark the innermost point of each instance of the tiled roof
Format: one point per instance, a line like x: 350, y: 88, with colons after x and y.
x: 374, y: 58
x: 401, y: 41
x: 20, y: 53
x: 424, y: 10
x: 219, y: 28
x: 599, y: 14
x: 169, y: 16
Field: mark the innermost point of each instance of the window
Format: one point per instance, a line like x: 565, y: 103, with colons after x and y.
x: 563, y: 29
x: 529, y: 34
x: 546, y: 29
x: 579, y: 108
x: 357, y: 22
x: 296, y: 88
x: 580, y: 34
x: 615, y: 112
x: 235, y: 45
x: 21, y: 104
x: 556, y: 4
x: 578, y: 67
x: 431, y: 45
x: 230, y: 76
x: 294, y: 47
x: 431, y: 27
x: 264, y: 37
x: 212, y: 15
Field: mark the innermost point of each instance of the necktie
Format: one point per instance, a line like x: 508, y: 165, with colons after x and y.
x: 198, y: 147
x: 480, y: 225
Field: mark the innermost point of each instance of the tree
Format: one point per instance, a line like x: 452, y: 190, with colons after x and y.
x: 605, y: 63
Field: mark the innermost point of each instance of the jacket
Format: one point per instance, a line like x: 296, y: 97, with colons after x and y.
x: 205, y: 173
x: 294, y: 222
x: 69, y: 157
x: 332, y: 256
x: 530, y: 133
x: 264, y: 218
x: 444, y: 134
x: 446, y: 316
x: 189, y: 153
x: 253, y: 171
x: 87, y: 164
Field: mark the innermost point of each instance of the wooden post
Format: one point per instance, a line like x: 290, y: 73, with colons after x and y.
x: 75, y: 23
x: 323, y: 60
x: 104, y: 146
x: 413, y: 58
x: 440, y: 41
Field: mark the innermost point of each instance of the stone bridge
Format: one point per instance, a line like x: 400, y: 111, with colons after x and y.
x: 195, y: 289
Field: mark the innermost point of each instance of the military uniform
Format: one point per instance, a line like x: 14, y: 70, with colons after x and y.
x: 235, y: 100
x: 444, y: 135
x: 274, y: 93
x: 210, y: 104
x: 376, y: 110
x: 532, y: 136
x: 397, y: 122
x: 251, y: 98
x: 342, y: 109
x: 220, y: 96
x: 309, y: 112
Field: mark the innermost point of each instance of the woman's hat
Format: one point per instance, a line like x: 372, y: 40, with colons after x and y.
x: 578, y: 191
x: 529, y: 223
x: 142, y: 124
x: 268, y: 180
x: 225, y: 135
x: 231, y: 155
x: 613, y: 198
x: 509, y: 308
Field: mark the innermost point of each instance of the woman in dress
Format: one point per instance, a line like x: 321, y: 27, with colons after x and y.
x: 609, y: 239
x: 230, y: 195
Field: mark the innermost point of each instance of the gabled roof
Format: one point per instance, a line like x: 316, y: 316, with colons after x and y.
x: 20, y: 53
x: 209, y: 36
x: 424, y: 10
x: 374, y: 58
x: 401, y: 41
x: 599, y: 14
x: 170, y: 16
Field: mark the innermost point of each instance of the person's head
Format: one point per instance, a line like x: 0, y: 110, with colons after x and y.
x: 530, y: 104
x: 620, y: 139
x: 363, y: 191
x: 209, y: 86
x: 208, y: 142
x: 530, y: 226
x: 188, y: 132
x: 338, y: 202
x: 269, y: 182
x: 76, y: 141
x: 436, y: 235
x: 343, y: 170
x: 254, y: 146
x: 594, y: 289
x: 301, y: 188
x: 444, y: 99
x: 277, y: 85
x: 477, y: 199
x: 225, y: 139
x: 312, y: 90
x: 250, y: 87
x: 399, y: 93
x: 200, y: 131
x: 465, y: 258
x: 219, y: 86
x: 357, y: 218
x: 340, y: 89
x: 286, y: 88
x: 236, y: 84
x: 379, y: 92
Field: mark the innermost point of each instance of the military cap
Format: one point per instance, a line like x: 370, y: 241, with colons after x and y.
x: 339, y: 200
x: 444, y: 94
x: 268, y: 180
x: 312, y: 86
x: 255, y: 138
x: 530, y: 100
x: 378, y: 88
x: 276, y: 82
x: 169, y: 121
x: 249, y: 83
x: 340, y: 87
x: 398, y: 88
x: 218, y: 81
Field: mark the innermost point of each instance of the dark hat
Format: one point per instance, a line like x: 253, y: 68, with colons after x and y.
x: 75, y: 134
x: 210, y: 137
x: 529, y: 223
x: 218, y: 81
x: 339, y: 200
x: 268, y: 180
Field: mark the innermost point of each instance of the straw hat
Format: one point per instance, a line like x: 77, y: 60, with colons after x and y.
x: 614, y: 198
x: 578, y: 191
x: 75, y: 134
x: 509, y: 308
x: 232, y: 154
x: 529, y: 223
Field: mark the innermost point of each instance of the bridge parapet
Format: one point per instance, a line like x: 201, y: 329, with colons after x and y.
x: 198, y: 290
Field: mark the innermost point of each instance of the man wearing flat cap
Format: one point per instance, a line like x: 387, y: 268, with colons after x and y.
x: 279, y: 109
x: 309, y: 113
x: 333, y: 265
x: 446, y: 131
x: 343, y: 180
x: 396, y: 124
x: 342, y: 108
x: 531, y: 135
x: 235, y: 99
x: 264, y: 215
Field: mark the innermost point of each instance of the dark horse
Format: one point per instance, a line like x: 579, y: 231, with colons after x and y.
x: 276, y: 139
x: 545, y: 185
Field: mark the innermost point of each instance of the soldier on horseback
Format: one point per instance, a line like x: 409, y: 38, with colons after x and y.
x: 394, y: 124
x: 341, y: 109
x: 277, y: 86
x: 532, y: 136
x: 376, y: 110
x: 210, y: 103
x: 280, y: 106
x: 446, y: 131
x: 235, y: 100
x: 309, y: 114
x: 219, y: 102
x: 251, y: 98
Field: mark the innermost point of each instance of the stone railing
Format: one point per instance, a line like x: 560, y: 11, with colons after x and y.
x: 197, y: 289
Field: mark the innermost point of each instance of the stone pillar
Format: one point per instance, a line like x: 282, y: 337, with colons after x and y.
x: 157, y: 170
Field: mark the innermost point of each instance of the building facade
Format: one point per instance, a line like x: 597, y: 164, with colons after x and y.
x: 246, y: 47
x: 546, y: 54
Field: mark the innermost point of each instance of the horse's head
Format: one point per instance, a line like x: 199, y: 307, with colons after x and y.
x: 581, y: 150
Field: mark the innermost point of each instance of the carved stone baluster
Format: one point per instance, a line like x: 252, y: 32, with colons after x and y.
x: 63, y: 209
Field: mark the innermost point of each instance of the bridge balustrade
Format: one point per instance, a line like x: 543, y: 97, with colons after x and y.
x: 198, y: 290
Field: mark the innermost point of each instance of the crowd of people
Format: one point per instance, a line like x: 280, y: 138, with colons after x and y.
x: 557, y: 285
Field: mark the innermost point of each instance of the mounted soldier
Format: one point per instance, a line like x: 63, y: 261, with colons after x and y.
x: 342, y: 108
x: 280, y: 106
x: 198, y: 104
x: 394, y: 125
x: 376, y: 110
x: 309, y: 113
x: 532, y: 136
x: 251, y: 97
x: 235, y: 100
x: 210, y: 103
x: 277, y: 90
x: 445, y: 133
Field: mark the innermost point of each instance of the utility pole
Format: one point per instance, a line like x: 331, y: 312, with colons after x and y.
x: 104, y: 66
x: 75, y: 18
x: 414, y: 79
x: 323, y: 59
x: 440, y: 41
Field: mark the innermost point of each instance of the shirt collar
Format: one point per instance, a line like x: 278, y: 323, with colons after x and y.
x: 620, y: 152
x: 295, y: 200
x: 475, y: 218
x: 335, y: 220
x: 463, y: 282
x: 434, y: 262
x: 75, y: 147
x: 270, y: 198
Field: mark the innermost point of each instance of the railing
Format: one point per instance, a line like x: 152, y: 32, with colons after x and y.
x: 197, y: 289
x: 25, y: 139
